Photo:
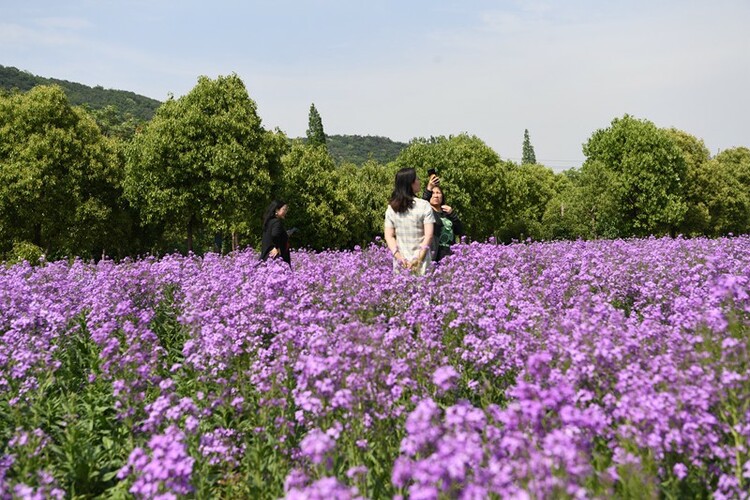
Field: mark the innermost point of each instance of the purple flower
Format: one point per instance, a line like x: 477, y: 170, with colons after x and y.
x: 222, y: 446
x: 316, y: 445
x: 296, y: 479
x: 356, y: 471
x: 636, y: 343
x: 445, y: 378
x: 323, y: 489
x: 680, y: 471
x: 165, y: 468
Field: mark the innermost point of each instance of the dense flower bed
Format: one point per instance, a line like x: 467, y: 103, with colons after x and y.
x: 581, y: 369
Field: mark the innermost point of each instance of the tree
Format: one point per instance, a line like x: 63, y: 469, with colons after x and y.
x: 586, y: 205
x: 530, y: 188
x: 528, y: 156
x: 649, y: 171
x: 722, y: 185
x: 693, y: 150
x: 204, y: 161
x: 315, y: 134
x: 697, y: 218
x: 112, y: 123
x: 319, y: 199
x: 358, y: 149
x: 370, y: 186
x: 59, y: 177
x: 562, y: 217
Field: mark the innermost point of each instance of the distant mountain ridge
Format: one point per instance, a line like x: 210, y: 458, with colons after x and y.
x: 358, y: 149
x: 129, y: 105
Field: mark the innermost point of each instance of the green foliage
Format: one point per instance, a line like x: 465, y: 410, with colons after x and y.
x: 586, y: 205
x: 648, y: 171
x: 562, y: 216
x: 83, y: 444
x: 24, y: 251
x: 320, y: 201
x: 316, y: 136
x: 527, y: 156
x: 696, y: 155
x: 370, y: 186
x: 204, y: 161
x: 607, y: 197
x: 720, y: 188
x: 358, y: 149
x: 59, y: 177
x: 126, y: 103
x: 114, y: 124
x: 530, y: 189
x: 693, y: 150
x: 102, y: 179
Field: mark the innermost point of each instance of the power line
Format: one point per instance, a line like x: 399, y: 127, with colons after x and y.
x: 546, y: 160
x: 558, y: 164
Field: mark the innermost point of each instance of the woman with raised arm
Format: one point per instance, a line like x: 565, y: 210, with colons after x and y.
x: 447, y: 223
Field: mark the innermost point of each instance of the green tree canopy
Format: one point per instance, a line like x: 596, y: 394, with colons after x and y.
x: 693, y: 150
x: 370, y: 186
x: 204, y: 161
x: 319, y: 199
x: 649, y: 171
x: 697, y: 219
x: 530, y: 188
x: 722, y: 190
x: 563, y: 215
x: 59, y: 179
x: 584, y: 205
x: 315, y: 134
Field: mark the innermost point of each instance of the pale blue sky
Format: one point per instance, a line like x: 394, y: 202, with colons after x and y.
x: 405, y: 69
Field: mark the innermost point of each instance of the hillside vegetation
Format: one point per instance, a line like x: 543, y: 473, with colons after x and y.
x: 358, y: 149
x: 117, y: 107
x: 96, y: 98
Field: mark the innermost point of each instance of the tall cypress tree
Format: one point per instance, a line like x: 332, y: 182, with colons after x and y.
x: 528, y: 156
x: 315, y: 134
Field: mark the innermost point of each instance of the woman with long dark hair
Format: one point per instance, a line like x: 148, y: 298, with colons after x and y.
x: 275, y: 241
x: 409, y: 223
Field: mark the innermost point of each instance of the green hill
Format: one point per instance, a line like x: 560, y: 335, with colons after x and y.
x: 127, y: 104
x: 358, y: 149
x: 118, y: 110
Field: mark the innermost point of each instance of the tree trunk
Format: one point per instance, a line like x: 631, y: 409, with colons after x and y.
x: 190, y: 235
x: 37, y: 235
x: 235, y: 241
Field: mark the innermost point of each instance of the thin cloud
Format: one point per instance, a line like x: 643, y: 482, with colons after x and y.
x: 27, y: 38
x: 68, y: 23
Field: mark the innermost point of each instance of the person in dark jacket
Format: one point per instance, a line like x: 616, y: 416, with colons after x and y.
x: 275, y: 242
x: 447, y: 223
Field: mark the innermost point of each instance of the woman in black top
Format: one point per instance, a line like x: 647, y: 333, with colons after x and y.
x: 275, y: 241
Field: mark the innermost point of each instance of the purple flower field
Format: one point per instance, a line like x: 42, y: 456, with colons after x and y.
x: 537, y: 370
